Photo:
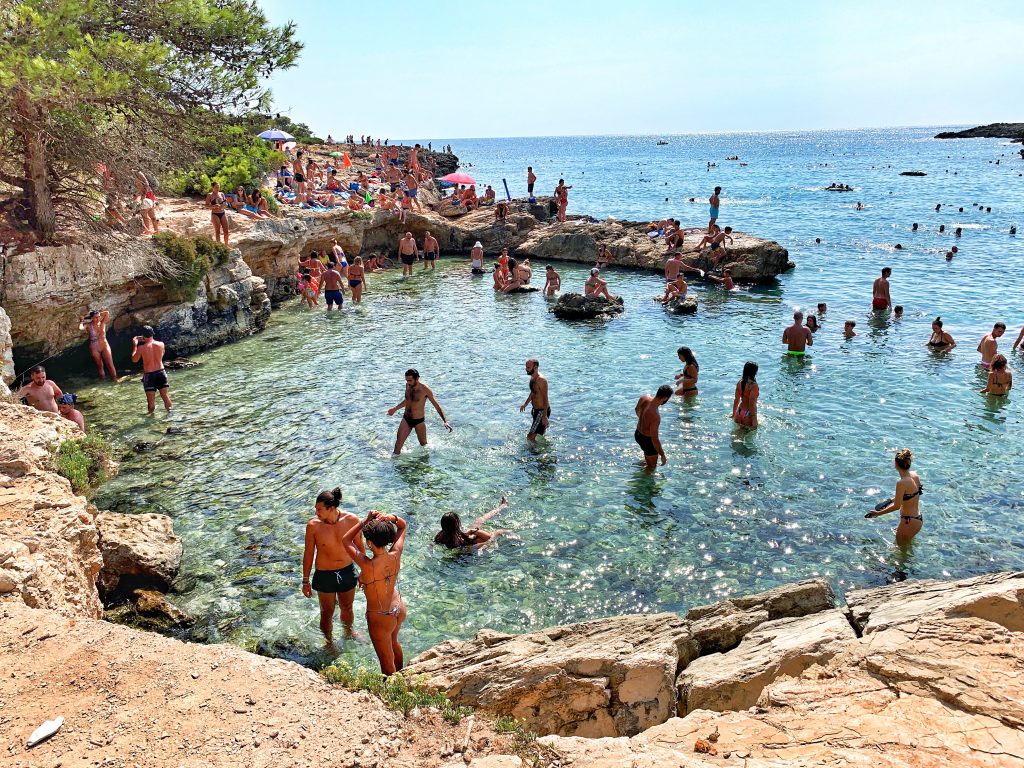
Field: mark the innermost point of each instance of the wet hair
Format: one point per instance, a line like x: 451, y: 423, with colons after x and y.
x: 821, y: 304
x: 664, y: 392
x: 535, y: 361
x: 898, y: 309
x: 687, y: 354
x: 998, y: 363
x: 798, y: 315
x: 330, y: 498
x: 851, y: 323
x: 749, y: 372
x: 548, y: 267
x: 937, y: 321
x: 717, y: 190
x: 36, y: 369
x: 379, y: 532
x: 999, y: 325
x: 904, y: 458
x: 147, y: 332
x: 414, y: 373
x: 451, y: 534
x: 810, y: 318
x: 886, y: 271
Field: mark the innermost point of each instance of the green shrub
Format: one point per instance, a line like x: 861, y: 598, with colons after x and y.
x: 243, y: 163
x: 215, y: 253
x: 397, y: 691
x: 272, y: 204
x: 191, y: 258
x: 85, y: 462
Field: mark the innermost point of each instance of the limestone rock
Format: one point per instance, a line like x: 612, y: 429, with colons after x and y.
x: 913, y: 173
x: 147, y: 609
x: 598, y: 678
x: 734, y: 680
x: 6, y: 351
x: 137, y: 550
x: 575, y: 306
x: 687, y: 305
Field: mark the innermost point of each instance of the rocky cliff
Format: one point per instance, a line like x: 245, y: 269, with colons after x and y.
x: 991, y: 131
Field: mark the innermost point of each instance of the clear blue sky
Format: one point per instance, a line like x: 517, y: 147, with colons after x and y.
x: 404, y: 69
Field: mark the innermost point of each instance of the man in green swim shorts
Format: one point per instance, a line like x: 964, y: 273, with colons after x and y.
x: 797, y: 337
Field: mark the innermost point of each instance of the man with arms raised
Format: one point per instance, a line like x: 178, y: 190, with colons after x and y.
x: 407, y: 253
x: 335, y: 577
x: 41, y: 393
x: 648, y: 421
x: 538, y: 398
x: 154, y: 377
x: 416, y: 396
x: 797, y: 336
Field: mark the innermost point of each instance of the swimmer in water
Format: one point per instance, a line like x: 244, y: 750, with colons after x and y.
x: 416, y: 396
x: 906, y: 501
x: 686, y: 382
x: 797, y: 337
x: 988, y: 346
x: 725, y: 280
x: 648, y: 421
x: 1000, y: 379
x: 897, y: 312
x: 812, y: 324
x: 452, y: 536
x: 476, y: 258
x: 66, y: 407
x: 334, y: 580
x: 940, y: 340
x: 378, y: 578
x: 848, y: 327
x: 744, y: 404
x: 822, y: 308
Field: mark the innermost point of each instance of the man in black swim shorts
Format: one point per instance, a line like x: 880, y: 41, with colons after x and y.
x: 335, y: 578
x: 407, y: 252
x: 648, y: 421
x: 416, y: 396
x: 538, y: 399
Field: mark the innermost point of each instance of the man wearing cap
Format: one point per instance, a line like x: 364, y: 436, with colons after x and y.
x: 476, y: 258
x: 66, y: 406
x: 154, y: 377
x: 407, y: 253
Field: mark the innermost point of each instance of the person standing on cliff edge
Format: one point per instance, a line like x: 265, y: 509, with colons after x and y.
x: 531, y: 179
x: 562, y: 198
x: 713, y: 202
x: 154, y: 377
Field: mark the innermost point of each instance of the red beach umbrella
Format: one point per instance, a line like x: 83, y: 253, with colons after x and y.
x: 458, y: 178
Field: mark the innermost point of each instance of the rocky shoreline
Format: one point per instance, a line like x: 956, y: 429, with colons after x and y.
x: 1013, y: 131
x: 916, y: 673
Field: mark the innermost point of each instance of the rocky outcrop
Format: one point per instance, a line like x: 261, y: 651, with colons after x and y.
x: 990, y: 131
x: 576, y: 306
x: 687, y: 305
x: 913, y: 173
x: 138, y: 551
x: 48, y: 553
x: 6, y: 356
x: 146, y: 609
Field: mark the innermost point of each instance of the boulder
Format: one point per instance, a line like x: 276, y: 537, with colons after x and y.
x: 685, y: 305
x: 146, y: 609
x: 576, y: 306
x: 913, y: 173
x: 735, y: 679
x: 138, y: 551
x: 606, y: 677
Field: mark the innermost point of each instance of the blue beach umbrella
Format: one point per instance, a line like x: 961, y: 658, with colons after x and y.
x: 275, y: 135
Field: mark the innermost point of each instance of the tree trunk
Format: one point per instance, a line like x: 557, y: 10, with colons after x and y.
x: 42, y: 216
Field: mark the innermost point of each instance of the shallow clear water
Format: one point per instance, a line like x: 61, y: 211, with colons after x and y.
x: 272, y: 420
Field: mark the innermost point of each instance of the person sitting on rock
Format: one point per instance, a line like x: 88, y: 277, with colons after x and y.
x: 717, y: 244
x: 674, y: 236
x: 514, y: 282
x: 674, y: 290
x: 595, y: 286
x: 501, y: 276
x: 469, y: 198
x: 489, y: 194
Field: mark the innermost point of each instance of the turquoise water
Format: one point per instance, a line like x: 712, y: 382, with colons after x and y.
x: 270, y: 421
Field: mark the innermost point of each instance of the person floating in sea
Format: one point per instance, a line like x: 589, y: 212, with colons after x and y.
x: 880, y: 299
x: 452, y: 536
x: 897, y: 312
x: 378, y: 577
x: 822, y: 309
x: 648, y: 422
x: 333, y: 286
x: 940, y: 339
x: 66, y: 407
x: 431, y: 250
x: 595, y: 286
x: 1000, y: 379
x: 725, y: 280
x: 562, y: 198
x: 713, y: 203
x: 531, y: 179
x: 797, y: 337
x: 744, y: 404
x: 154, y: 377
x: 989, y: 346
x: 416, y: 396
x: 95, y: 324
x: 553, y: 282
x: 686, y: 382
x: 538, y: 400
x: 217, y: 202
x: 41, y: 393
x: 907, y: 500
x: 848, y: 329
x: 812, y: 324
x: 335, y: 577
x: 357, y: 279
x: 407, y: 253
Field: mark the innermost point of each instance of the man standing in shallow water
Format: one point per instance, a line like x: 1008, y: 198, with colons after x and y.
x: 416, y: 395
x: 988, y: 346
x: 538, y: 397
x: 154, y: 377
x: 335, y: 577
x: 797, y: 336
x: 648, y: 421
x: 407, y: 253
x: 880, y: 291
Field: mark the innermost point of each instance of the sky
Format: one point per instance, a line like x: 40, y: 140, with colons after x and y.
x: 450, y: 69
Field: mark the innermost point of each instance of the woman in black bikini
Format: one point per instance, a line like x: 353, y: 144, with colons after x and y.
x: 907, y: 500
x: 378, y: 578
x: 940, y: 340
x: 357, y: 279
x: 217, y: 202
x: 686, y: 382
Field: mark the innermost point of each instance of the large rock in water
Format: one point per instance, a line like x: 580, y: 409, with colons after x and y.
x: 138, y: 551
x: 686, y: 305
x: 576, y: 306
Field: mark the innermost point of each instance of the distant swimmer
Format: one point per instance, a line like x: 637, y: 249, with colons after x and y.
x: 822, y: 309
x: 648, y: 421
x: 407, y: 252
x: 154, y: 377
x: 686, y: 382
x: 713, y: 202
x: 725, y: 280
x: 335, y: 579
x: 812, y: 324
x: 906, y: 501
x: 940, y: 339
x: 595, y: 286
x: 848, y: 329
x: 744, y: 403
x: 452, y: 536
x: 880, y: 299
x: 797, y: 337
x: 415, y: 402
x: 897, y: 312
x: 1000, y: 379
x: 476, y: 258
x: 538, y: 400
x: 860, y: 207
x: 988, y: 346
x: 552, y: 281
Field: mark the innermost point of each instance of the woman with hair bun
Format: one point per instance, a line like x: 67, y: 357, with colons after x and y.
x: 335, y: 577
x: 940, y: 339
x: 907, y: 500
